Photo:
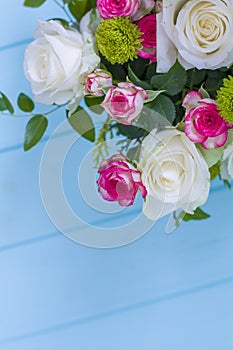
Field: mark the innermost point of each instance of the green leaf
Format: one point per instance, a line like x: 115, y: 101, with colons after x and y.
x: 2, y: 105
x: 199, y: 214
x: 33, y: 3
x: 173, y: 81
x: 130, y: 131
x: 150, y: 120
x: 203, y: 92
x: 139, y: 66
x: 61, y: 20
x: 164, y: 106
x: 211, y: 156
x: 133, y: 77
x: 79, y: 8
x: 25, y: 103
x: 134, y: 153
x: 227, y: 184
x: 34, y: 130
x: 151, y: 70
x: 82, y: 123
x: 152, y: 95
x: 8, y: 105
x: 94, y: 103
x: 195, y: 76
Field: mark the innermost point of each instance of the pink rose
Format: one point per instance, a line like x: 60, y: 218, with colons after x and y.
x: 117, y: 8
x: 119, y: 181
x: 146, y: 6
x: 124, y: 102
x: 203, y: 123
x: 96, y: 81
x: 147, y: 26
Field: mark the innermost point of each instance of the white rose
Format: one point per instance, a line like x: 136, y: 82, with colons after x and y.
x: 174, y: 173
x: 197, y: 32
x: 57, y: 61
x: 226, y: 165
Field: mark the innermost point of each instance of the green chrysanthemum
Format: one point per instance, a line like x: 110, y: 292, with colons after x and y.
x: 225, y: 99
x: 214, y: 171
x: 118, y: 39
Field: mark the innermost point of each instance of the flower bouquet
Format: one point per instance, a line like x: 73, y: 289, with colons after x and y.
x: 160, y: 73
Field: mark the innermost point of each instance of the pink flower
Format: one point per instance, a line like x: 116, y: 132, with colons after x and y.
x: 124, y: 102
x: 145, y: 7
x: 117, y: 8
x: 203, y: 123
x: 119, y: 181
x: 96, y: 81
x: 147, y: 26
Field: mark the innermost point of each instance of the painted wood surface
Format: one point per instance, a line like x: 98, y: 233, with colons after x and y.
x: 161, y: 292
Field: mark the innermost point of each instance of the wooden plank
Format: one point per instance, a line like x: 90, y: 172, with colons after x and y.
x: 200, y: 320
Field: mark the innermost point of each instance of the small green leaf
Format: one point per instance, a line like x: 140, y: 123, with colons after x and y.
x: 2, y: 105
x: 133, y: 77
x: 227, y: 184
x: 8, y: 105
x: 34, y: 130
x: 61, y: 20
x: 152, y: 95
x: 33, y: 3
x: 164, y: 106
x: 79, y: 8
x: 82, y: 123
x: 173, y: 81
x: 94, y: 103
x: 203, y: 92
x: 25, y: 103
x: 199, y: 214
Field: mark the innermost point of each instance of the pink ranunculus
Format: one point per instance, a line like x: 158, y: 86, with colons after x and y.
x: 117, y: 8
x: 145, y: 7
x: 119, y: 181
x: 124, y: 102
x: 96, y: 81
x: 147, y: 26
x: 203, y: 123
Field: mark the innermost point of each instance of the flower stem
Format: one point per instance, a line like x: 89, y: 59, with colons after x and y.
x: 63, y: 7
x: 30, y: 114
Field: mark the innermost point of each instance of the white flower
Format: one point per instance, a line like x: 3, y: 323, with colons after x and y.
x: 197, y: 32
x: 226, y: 165
x: 174, y: 173
x: 57, y: 61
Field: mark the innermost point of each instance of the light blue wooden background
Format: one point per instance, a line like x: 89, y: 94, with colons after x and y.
x: 161, y: 292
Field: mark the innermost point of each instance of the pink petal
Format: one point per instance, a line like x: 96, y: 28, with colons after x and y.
x: 214, y: 142
x: 208, y: 101
x: 191, y: 99
x: 142, y: 189
x: 192, y: 134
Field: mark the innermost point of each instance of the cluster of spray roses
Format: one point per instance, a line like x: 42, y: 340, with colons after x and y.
x: 175, y: 163
x: 178, y: 162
